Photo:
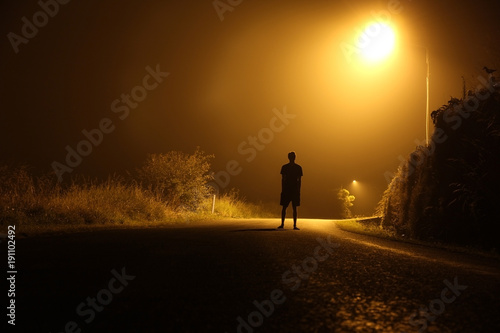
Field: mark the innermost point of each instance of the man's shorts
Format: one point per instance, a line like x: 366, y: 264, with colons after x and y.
x: 287, y: 197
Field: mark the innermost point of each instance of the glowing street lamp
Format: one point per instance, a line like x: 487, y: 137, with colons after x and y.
x: 380, y: 39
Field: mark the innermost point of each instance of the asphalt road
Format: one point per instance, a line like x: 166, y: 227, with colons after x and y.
x: 246, y: 276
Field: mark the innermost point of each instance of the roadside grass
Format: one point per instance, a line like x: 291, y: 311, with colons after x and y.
x: 366, y: 226
x: 371, y: 226
x: 233, y: 206
x: 37, y: 205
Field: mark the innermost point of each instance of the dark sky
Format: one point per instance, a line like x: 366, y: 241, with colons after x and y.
x: 225, y: 79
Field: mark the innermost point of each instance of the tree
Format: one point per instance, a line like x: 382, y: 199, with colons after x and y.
x: 178, y: 178
x: 346, y: 200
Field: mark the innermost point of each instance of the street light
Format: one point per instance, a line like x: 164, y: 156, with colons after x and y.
x: 380, y: 40
x: 377, y: 41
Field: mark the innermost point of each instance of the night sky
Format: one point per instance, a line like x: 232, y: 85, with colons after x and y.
x: 248, y: 84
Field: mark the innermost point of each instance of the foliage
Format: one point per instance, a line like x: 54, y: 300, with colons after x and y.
x: 346, y: 201
x: 177, y: 178
x: 39, y: 202
x: 448, y: 190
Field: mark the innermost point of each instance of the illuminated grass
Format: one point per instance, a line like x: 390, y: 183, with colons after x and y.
x: 365, y: 226
x: 40, y: 204
x: 233, y: 206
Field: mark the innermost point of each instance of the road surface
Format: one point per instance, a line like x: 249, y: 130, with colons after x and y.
x: 246, y: 276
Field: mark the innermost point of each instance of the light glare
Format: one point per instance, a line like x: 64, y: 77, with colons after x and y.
x: 377, y: 41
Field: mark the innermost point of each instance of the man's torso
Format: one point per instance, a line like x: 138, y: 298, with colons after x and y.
x: 291, y: 173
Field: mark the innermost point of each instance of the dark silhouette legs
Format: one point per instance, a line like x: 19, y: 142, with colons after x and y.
x: 283, y: 215
x: 294, y: 216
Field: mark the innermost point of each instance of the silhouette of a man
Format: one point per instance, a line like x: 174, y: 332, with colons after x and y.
x: 291, y: 175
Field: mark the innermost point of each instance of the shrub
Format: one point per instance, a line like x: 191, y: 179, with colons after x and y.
x: 346, y: 201
x: 177, y: 178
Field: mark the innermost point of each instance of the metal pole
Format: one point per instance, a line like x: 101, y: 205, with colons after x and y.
x: 427, y: 104
x: 427, y: 79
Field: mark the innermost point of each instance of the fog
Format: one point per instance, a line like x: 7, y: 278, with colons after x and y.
x: 248, y: 85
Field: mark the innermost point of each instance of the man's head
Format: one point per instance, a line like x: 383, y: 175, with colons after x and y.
x: 291, y: 156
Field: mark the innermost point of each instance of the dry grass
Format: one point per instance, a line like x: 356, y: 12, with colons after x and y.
x: 39, y: 204
x: 369, y: 226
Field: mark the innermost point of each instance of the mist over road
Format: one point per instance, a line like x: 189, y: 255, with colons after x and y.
x: 246, y: 276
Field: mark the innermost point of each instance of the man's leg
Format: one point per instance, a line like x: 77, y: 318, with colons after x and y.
x: 283, y: 214
x: 294, y: 216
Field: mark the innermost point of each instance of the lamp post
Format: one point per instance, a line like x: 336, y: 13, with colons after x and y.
x: 427, y: 93
x: 427, y: 96
x: 385, y: 43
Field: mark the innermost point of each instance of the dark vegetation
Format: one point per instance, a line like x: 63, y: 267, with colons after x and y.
x: 346, y: 202
x: 169, y: 187
x: 448, y: 191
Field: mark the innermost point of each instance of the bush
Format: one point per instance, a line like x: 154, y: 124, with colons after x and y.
x: 177, y: 178
x: 346, y: 200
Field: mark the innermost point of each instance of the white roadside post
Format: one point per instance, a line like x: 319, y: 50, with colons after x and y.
x: 213, y: 204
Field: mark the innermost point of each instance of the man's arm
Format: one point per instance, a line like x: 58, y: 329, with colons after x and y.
x: 299, y: 181
x: 283, y: 177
